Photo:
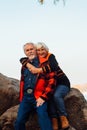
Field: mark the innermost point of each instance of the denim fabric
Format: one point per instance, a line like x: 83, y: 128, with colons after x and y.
x: 27, y: 104
x: 43, y: 118
x: 29, y: 78
x: 56, y: 105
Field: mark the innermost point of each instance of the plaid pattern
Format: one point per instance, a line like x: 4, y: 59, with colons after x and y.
x: 45, y: 84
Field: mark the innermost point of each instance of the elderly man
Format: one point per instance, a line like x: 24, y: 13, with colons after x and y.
x: 30, y: 100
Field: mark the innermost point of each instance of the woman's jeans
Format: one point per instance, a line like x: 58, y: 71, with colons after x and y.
x: 27, y: 104
x: 56, y: 106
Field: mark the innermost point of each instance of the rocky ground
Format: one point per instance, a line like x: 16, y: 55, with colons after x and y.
x: 75, y: 102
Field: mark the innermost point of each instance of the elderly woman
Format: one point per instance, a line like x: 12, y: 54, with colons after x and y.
x: 48, y: 63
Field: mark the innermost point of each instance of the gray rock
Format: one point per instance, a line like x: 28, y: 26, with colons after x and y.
x: 9, y: 93
x: 76, y: 107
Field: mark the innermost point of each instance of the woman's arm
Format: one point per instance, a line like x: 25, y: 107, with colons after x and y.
x: 25, y: 62
x: 34, y: 69
x: 50, y: 67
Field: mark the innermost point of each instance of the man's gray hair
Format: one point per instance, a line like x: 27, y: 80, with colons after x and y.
x: 29, y: 43
x: 41, y: 44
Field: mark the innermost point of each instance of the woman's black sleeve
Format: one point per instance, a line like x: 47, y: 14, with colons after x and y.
x: 51, y: 66
x: 53, y: 63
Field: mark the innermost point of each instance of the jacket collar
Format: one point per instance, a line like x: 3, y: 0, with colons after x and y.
x: 42, y: 60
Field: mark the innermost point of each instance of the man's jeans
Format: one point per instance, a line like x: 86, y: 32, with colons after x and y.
x: 56, y: 105
x: 24, y: 111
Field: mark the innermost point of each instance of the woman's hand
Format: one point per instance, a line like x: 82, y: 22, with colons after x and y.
x: 33, y: 69
x: 39, y: 101
x: 24, y: 61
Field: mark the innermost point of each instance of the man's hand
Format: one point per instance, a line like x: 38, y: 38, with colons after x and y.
x: 24, y: 61
x: 39, y: 101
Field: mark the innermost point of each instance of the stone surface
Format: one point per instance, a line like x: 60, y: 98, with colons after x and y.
x: 9, y: 93
x: 7, y: 120
x: 76, y: 107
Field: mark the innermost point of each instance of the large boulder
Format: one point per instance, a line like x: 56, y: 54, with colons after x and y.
x: 9, y: 93
x: 7, y: 120
x: 76, y: 106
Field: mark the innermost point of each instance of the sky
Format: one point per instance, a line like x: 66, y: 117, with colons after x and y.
x: 63, y: 28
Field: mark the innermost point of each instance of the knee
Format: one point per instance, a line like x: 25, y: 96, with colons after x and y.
x: 57, y: 95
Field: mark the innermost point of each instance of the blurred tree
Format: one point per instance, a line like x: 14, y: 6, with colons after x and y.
x: 42, y: 1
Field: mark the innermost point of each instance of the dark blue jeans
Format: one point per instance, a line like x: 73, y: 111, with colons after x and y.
x: 24, y: 111
x: 56, y: 106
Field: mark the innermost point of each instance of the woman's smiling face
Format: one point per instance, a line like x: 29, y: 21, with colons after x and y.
x: 42, y: 52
